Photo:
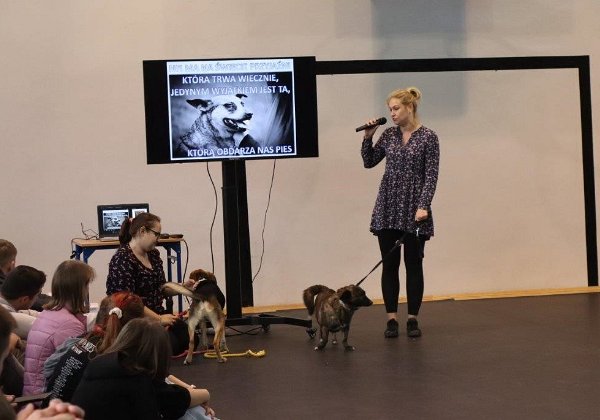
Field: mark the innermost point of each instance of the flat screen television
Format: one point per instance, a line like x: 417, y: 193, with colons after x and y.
x: 221, y: 109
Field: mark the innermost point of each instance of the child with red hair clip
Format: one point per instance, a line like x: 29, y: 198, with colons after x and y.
x: 64, y: 369
x: 129, y: 380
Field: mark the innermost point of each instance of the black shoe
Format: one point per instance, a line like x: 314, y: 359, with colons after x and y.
x: 392, y: 329
x: 412, y: 328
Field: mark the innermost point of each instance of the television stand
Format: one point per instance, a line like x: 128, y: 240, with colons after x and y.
x: 238, y: 271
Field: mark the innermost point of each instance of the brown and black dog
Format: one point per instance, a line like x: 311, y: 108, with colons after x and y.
x: 207, y: 303
x: 333, y: 310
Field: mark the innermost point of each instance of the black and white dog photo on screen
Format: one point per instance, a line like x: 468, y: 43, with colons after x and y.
x: 222, y: 123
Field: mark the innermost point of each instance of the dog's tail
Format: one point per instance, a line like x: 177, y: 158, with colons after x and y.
x: 202, y: 274
x: 174, y: 289
x: 309, y: 296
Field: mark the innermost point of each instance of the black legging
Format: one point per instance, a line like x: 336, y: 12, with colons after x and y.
x: 413, y: 261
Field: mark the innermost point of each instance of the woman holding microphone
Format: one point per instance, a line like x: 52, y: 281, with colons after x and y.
x: 403, y: 205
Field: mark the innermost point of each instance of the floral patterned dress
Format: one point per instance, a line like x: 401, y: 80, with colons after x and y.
x: 409, y: 180
x: 126, y: 272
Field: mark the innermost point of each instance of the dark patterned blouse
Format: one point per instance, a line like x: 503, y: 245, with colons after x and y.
x: 126, y: 272
x: 409, y: 180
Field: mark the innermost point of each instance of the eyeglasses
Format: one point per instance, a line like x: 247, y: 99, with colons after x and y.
x: 157, y: 234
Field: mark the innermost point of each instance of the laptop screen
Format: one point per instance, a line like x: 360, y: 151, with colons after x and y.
x: 111, y: 216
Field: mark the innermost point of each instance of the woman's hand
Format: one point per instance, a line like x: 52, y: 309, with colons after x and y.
x: 421, y: 215
x: 370, y: 132
x: 209, y: 411
x: 11, y: 399
x: 190, y: 284
x: 164, y: 319
x: 167, y: 319
x: 14, y: 342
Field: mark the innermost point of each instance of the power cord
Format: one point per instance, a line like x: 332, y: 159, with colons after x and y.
x: 212, y: 255
x: 187, y: 258
x: 253, y: 331
x: 249, y: 332
x: 265, y: 223
x: 89, y: 233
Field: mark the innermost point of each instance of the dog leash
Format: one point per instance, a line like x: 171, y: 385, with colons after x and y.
x: 178, y: 356
x: 248, y: 353
x: 397, y: 244
x: 211, y: 354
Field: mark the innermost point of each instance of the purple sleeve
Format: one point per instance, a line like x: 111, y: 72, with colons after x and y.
x: 372, y: 155
x: 432, y: 163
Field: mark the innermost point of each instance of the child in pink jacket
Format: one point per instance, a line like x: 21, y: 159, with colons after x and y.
x: 62, y: 318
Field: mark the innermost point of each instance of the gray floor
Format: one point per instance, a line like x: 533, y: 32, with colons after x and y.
x: 519, y: 358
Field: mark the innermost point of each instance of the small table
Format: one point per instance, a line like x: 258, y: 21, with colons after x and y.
x: 86, y: 247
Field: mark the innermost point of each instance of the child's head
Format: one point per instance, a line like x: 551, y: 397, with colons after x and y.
x: 115, y: 311
x: 70, y: 287
x: 8, y: 256
x: 143, y: 347
x: 22, y: 286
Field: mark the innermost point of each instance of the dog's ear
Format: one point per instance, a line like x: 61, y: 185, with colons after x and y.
x: 200, y: 104
x: 241, y: 95
x: 346, y: 296
x: 201, y: 274
x: 196, y: 275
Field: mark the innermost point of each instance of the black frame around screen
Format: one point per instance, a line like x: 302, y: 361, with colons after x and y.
x: 157, y: 112
x: 581, y: 63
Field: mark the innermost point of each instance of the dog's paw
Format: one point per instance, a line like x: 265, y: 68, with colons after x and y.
x: 349, y: 348
x: 311, y: 332
x: 222, y: 360
x: 187, y: 362
x: 334, y: 341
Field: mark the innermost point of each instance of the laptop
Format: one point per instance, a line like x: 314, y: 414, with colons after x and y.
x: 111, y: 217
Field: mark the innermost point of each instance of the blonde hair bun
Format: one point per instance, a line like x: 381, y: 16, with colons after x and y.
x: 415, y: 92
x: 407, y: 96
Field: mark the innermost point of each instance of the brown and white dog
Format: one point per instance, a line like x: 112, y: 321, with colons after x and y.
x: 333, y: 310
x: 207, y: 303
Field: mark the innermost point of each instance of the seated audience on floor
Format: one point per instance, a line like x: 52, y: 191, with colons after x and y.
x: 8, y: 261
x: 64, y: 369
x: 56, y: 410
x: 17, y: 294
x: 129, y: 380
x: 63, y: 317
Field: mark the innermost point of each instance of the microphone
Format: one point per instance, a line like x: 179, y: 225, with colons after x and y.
x: 379, y: 121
